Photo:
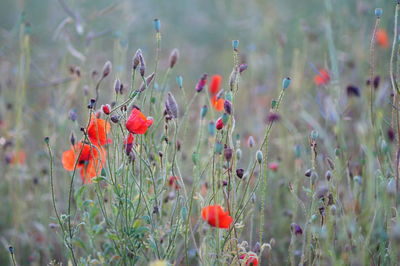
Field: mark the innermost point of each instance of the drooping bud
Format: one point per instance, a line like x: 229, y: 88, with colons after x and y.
x: 228, y: 152
x: 201, y: 83
x: 117, y: 86
x: 242, y: 67
x: 171, y: 105
x: 106, y: 109
x: 142, y: 68
x: 136, y: 59
x: 72, y: 115
x: 149, y: 79
x: 173, y: 58
x: 107, y: 69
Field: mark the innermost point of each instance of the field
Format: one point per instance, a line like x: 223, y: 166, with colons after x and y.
x: 227, y: 132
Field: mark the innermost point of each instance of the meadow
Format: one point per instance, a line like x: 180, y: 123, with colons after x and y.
x: 187, y: 132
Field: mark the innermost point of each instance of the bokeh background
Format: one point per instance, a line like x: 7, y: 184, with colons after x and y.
x: 278, y: 38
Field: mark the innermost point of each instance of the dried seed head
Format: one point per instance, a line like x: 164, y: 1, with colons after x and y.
x: 173, y: 58
x: 107, y: 69
x: 171, y: 105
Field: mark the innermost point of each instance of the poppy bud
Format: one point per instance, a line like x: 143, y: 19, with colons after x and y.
x: 107, y: 69
x: 203, y: 111
x: 233, y: 78
x: 328, y: 175
x: 149, y: 79
x: 378, y: 12
x: 228, y: 152
x: 308, y: 173
x: 117, y: 86
x: 72, y: 115
x: 114, y: 119
x: 259, y: 156
x: 201, y: 83
x: 171, y: 105
x: 228, y: 107
x: 46, y: 140
x: 218, y: 147
x: 106, y: 109
x: 211, y: 128
x: 391, y: 135
x: 235, y: 45
x: 136, y: 59
x: 353, y: 91
x: 179, y: 80
x: 314, y: 135
x: 239, y: 154
x: 157, y: 24
x: 72, y: 139
x: 173, y: 58
x: 296, y: 229
x: 273, y: 166
x: 142, y: 67
x: 376, y: 82
x: 251, y: 142
x: 242, y: 67
x: 240, y: 172
x: 11, y: 250
x: 219, y: 124
x: 330, y: 163
x: 286, y: 83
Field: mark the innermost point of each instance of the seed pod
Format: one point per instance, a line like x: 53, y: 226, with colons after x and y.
x: 149, y: 79
x: 107, y: 69
x: 136, y: 59
x: 173, y: 58
x: 171, y: 105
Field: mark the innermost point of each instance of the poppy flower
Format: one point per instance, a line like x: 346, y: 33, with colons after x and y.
x: 137, y: 122
x: 382, y: 38
x: 98, y: 130
x: 173, y: 182
x: 215, y: 216
x: 217, y: 103
x: 90, y: 160
x: 18, y: 157
x: 219, y: 124
x: 322, y: 78
x: 273, y: 166
x: 215, y: 84
x: 250, y: 258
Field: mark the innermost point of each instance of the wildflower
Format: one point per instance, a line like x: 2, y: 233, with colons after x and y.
x: 250, y: 259
x: 137, y: 122
x: 201, y: 83
x: 322, y: 78
x: 215, y: 216
x: 217, y: 103
x: 215, y: 84
x: 273, y: 166
x: 106, y: 109
x: 88, y: 159
x: 382, y: 38
x: 219, y: 124
x: 173, y: 182
x: 98, y: 130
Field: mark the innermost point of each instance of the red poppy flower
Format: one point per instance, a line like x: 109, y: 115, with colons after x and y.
x: 173, y: 182
x: 219, y: 124
x: 215, y: 216
x: 217, y: 103
x: 322, y: 78
x: 18, y: 157
x: 250, y: 258
x: 273, y: 166
x: 215, y: 84
x: 98, y: 130
x: 90, y: 160
x: 382, y: 38
x: 128, y: 142
x: 137, y: 122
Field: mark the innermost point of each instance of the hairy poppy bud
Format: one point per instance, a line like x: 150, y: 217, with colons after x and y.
x: 136, y: 59
x: 235, y: 45
x: 114, y: 119
x: 157, y: 24
x: 251, y: 142
x: 171, y: 105
x: 203, y: 111
x: 219, y: 124
x: 148, y: 79
x: 142, y: 67
x: 228, y: 152
x: 242, y: 67
x: 286, y: 83
x: 239, y: 154
x: 259, y: 156
x: 72, y: 115
x: 173, y: 58
x: 218, y: 147
x: 117, y: 86
x: 228, y: 107
x: 107, y: 69
x: 296, y: 229
x: 201, y: 83
x: 106, y: 109
x: 314, y: 135
x: 179, y: 81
